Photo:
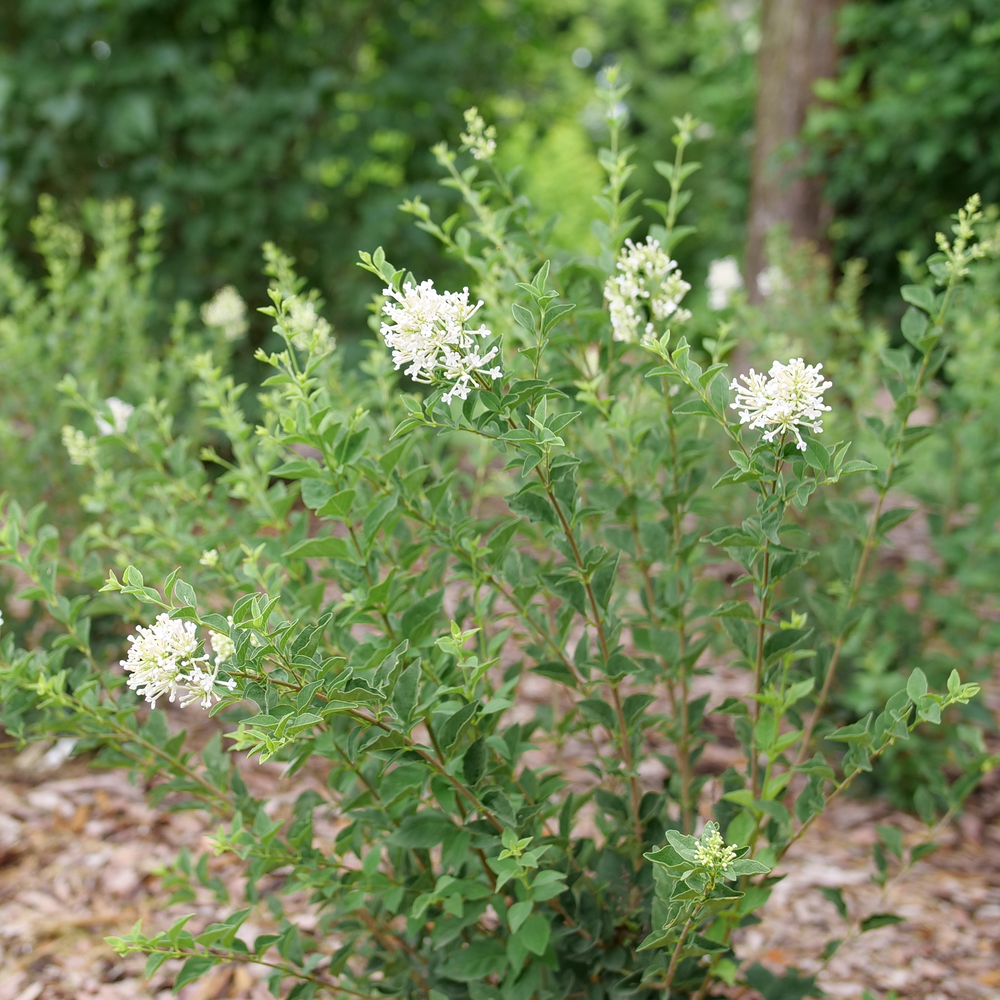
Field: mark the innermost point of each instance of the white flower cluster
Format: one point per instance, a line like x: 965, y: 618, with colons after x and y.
x: 789, y: 397
x: 120, y: 412
x: 649, y: 288
x: 82, y: 450
x: 723, y: 281
x: 162, y: 661
x: 222, y: 646
x: 480, y: 140
x: 307, y: 330
x: 226, y: 312
x: 426, y: 331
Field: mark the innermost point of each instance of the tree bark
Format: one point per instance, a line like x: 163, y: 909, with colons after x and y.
x: 798, y: 46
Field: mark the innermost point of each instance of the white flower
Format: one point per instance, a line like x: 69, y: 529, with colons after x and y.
x: 789, y: 397
x: 210, y: 558
x: 82, y: 450
x: 773, y: 281
x: 649, y: 288
x: 307, y: 330
x: 162, y: 661
x: 120, y: 412
x: 223, y: 647
x: 480, y: 140
x: 226, y: 312
x: 426, y: 331
x: 724, y: 279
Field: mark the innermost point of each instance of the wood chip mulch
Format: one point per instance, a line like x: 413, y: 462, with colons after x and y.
x: 79, y: 850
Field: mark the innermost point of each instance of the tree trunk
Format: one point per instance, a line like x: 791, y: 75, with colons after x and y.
x: 798, y: 46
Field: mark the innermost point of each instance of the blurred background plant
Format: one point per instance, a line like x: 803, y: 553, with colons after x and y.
x: 307, y: 122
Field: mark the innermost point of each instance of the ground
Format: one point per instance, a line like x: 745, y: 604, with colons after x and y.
x: 79, y: 850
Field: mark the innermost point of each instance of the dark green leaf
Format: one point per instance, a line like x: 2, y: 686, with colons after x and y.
x: 836, y: 897
x: 784, y: 640
x: 880, y: 920
x: 474, y: 763
x: 454, y: 724
x: 556, y: 671
x: 595, y: 710
x: 424, y: 829
x: 533, y: 506
x: 890, y: 518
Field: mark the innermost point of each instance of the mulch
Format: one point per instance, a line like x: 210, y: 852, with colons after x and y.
x: 82, y: 856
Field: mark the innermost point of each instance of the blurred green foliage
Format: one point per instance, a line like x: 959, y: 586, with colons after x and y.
x: 247, y: 120
x: 307, y: 121
x: 911, y: 125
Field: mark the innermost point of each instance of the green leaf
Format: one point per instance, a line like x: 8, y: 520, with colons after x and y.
x: 916, y: 684
x: 783, y: 640
x: 816, y: 455
x: 534, y: 934
x: 856, y: 733
x: 154, y: 962
x: 424, y: 829
x: 746, y: 866
x: 474, y: 762
x: 914, y: 325
x: 856, y: 465
x: 474, y: 963
x: 518, y: 913
x: 556, y: 671
x: 184, y: 594
x: 735, y: 609
x: 315, y: 492
x: 696, y: 407
x: 532, y: 506
x: 890, y: 518
x: 338, y: 506
x: 922, y: 850
x: 595, y: 710
x: 418, y: 620
x: 892, y: 838
x: 404, y: 694
x: 523, y: 317
x: 836, y: 897
x: 195, y: 966
x: 454, y: 724
x: 918, y: 295
x: 880, y: 920
x: 732, y: 706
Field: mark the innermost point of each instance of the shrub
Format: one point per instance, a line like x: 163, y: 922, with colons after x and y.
x: 359, y: 584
